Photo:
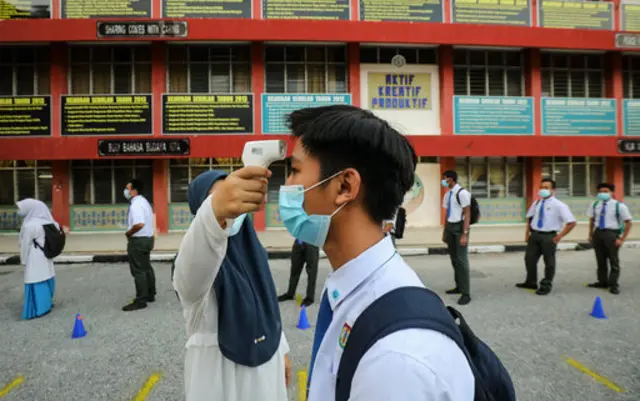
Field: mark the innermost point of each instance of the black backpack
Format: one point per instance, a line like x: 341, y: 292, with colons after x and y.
x: 420, y: 308
x: 54, y: 240
x: 401, y: 220
x: 474, y: 206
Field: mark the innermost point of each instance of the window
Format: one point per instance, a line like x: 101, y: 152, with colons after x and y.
x: 306, y: 69
x: 383, y: 54
x: 24, y: 70
x: 574, y: 176
x: 631, y: 76
x: 21, y: 179
x: 631, y: 177
x: 487, y: 73
x: 572, y: 75
x: 209, y: 69
x: 182, y: 171
x: 492, y: 177
x: 100, y: 182
x: 109, y: 70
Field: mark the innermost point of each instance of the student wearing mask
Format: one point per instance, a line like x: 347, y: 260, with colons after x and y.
x: 39, y: 272
x: 457, y: 202
x: 548, y: 221
x: 140, y: 243
x: 350, y: 172
x: 236, y: 348
x: 609, y: 226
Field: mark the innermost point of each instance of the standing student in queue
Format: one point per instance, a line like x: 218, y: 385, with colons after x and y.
x: 612, y: 222
x: 457, y: 202
x: 140, y: 243
x: 302, y: 254
x: 350, y: 172
x: 236, y: 349
x: 548, y: 221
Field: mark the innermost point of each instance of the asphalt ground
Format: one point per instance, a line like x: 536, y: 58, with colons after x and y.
x: 553, y: 349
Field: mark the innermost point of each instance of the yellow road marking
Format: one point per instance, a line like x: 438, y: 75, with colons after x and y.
x: 299, y: 300
x: 15, y: 383
x: 302, y: 385
x: 146, y: 389
x: 595, y: 376
x: 530, y: 290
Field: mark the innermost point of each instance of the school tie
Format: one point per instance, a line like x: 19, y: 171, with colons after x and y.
x: 325, y: 314
x: 541, y: 214
x: 449, y: 204
x: 603, y: 213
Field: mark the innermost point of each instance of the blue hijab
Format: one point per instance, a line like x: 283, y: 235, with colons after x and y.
x: 249, y: 324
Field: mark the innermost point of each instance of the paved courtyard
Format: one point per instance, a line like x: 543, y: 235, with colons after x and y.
x: 554, y: 350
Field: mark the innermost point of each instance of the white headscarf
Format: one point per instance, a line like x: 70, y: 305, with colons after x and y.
x: 34, y: 212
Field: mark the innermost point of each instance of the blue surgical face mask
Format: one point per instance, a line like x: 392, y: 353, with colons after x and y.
x: 544, y: 193
x: 604, y: 196
x: 237, y: 224
x: 126, y: 193
x: 312, y: 229
x: 445, y: 184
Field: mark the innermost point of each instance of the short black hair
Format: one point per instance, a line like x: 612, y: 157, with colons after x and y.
x: 553, y: 183
x: 343, y: 136
x: 137, y: 185
x: 451, y: 174
x: 611, y: 187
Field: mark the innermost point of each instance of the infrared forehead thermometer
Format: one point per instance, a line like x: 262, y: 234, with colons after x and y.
x: 263, y: 153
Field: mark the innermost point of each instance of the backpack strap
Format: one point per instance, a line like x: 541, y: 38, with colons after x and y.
x: 399, y: 309
x: 458, y: 195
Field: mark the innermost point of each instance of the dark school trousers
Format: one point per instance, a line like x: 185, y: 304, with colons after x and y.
x: 541, y: 244
x: 604, y: 244
x: 459, y: 256
x: 139, y: 253
x: 301, y: 255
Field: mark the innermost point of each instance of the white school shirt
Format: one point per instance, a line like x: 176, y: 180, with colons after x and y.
x: 456, y: 208
x: 208, y: 374
x: 37, y: 267
x: 556, y: 215
x: 408, y: 365
x: 140, y: 211
x: 610, y: 219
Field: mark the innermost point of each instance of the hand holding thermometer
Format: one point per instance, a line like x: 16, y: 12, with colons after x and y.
x: 263, y: 153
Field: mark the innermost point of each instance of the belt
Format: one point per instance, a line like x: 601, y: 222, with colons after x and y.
x: 608, y: 229
x: 544, y: 232
x: 455, y: 222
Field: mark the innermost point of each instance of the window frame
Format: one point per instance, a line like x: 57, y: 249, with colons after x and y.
x: 112, y: 172
x: 211, y: 163
x: 36, y: 170
x: 569, y: 69
x: 629, y: 177
x: 487, y: 68
x: 326, y: 63
x: 468, y: 162
x: 111, y: 63
x: 15, y: 66
x: 400, y: 50
x: 588, y: 162
x: 628, y: 75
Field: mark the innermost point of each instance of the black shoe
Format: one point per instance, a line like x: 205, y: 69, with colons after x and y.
x: 528, y: 286
x: 307, y: 302
x: 543, y: 290
x: 454, y: 291
x: 464, y: 299
x: 285, y: 297
x: 598, y: 284
x: 614, y: 290
x: 151, y: 298
x: 134, y: 306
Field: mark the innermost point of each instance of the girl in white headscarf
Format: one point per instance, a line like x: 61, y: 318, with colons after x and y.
x: 39, y: 275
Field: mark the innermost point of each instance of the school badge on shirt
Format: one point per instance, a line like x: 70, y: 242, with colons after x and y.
x: 344, y: 335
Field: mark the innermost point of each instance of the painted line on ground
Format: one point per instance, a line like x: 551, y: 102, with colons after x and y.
x: 594, y: 375
x: 15, y: 383
x: 148, y: 386
x: 302, y: 385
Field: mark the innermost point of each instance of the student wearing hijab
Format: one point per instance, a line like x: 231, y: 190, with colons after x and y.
x: 236, y: 349
x: 39, y: 274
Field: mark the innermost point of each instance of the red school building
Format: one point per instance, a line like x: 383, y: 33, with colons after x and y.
x: 504, y: 91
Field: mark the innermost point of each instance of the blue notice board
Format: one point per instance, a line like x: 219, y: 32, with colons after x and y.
x: 277, y: 106
x: 572, y: 116
x: 631, y: 117
x: 492, y: 115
